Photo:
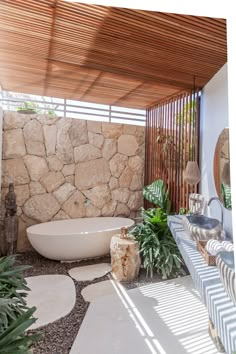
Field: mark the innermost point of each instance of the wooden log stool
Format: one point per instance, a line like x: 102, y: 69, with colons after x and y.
x: 125, y: 258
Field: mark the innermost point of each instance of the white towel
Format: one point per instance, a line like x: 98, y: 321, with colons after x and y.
x: 214, y: 247
x: 228, y: 246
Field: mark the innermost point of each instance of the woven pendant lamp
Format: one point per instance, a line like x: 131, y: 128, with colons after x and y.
x: 192, y: 173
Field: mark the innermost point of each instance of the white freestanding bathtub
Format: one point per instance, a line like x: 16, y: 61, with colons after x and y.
x: 75, y: 239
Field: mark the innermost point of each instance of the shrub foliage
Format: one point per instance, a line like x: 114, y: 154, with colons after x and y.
x: 15, y: 316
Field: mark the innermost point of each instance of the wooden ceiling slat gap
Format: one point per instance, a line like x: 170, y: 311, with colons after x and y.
x: 212, y: 20
x: 162, y: 67
x: 28, y: 32
x: 182, y: 55
x: 215, y: 28
x: 171, y: 72
x: 148, y: 78
x: 91, y: 27
x: 187, y: 20
x: 91, y: 86
x: 175, y: 45
x: 194, y: 53
x: 185, y: 48
x: 162, y: 64
x: 89, y: 19
x: 82, y: 9
x: 120, y: 36
x: 79, y: 52
x: 179, y: 28
x: 9, y: 39
x: 15, y: 30
x: 24, y: 16
x: 22, y: 11
x: 127, y: 94
x: 136, y: 75
x: 216, y: 24
x: 162, y: 33
x: 39, y: 82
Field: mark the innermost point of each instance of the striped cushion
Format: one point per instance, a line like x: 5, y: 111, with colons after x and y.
x: 229, y: 246
x: 225, y: 264
x: 196, y: 203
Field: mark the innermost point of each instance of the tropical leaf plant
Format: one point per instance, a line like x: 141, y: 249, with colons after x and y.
x: 15, y: 316
x: 12, y: 283
x: 158, y: 250
x: 226, y: 196
x: 157, y: 194
x: 13, y: 339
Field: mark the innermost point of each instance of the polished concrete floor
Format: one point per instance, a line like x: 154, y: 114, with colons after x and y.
x: 160, y: 318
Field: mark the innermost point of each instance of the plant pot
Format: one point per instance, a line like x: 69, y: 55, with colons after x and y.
x: 27, y: 111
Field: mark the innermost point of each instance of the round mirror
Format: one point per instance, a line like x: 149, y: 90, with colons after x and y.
x: 222, y: 168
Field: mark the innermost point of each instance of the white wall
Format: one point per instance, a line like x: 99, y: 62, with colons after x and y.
x: 214, y: 118
x: 1, y: 118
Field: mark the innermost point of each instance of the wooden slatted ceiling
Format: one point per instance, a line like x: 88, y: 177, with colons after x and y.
x: 108, y: 55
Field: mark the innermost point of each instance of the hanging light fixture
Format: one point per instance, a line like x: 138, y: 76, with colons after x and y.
x: 192, y: 173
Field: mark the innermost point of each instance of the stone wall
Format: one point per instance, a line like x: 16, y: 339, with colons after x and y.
x: 68, y: 168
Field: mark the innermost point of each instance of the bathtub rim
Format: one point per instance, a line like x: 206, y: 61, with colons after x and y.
x: 45, y: 233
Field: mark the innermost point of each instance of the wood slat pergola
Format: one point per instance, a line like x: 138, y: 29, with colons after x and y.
x: 107, y: 55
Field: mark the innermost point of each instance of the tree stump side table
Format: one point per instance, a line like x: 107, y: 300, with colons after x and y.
x: 125, y: 258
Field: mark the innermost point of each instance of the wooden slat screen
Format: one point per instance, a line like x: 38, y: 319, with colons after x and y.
x: 171, y: 141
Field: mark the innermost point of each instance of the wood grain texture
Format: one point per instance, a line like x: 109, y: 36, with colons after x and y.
x: 108, y: 55
x: 172, y: 141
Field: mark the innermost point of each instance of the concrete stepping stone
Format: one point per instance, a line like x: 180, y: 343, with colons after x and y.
x: 94, y: 291
x: 53, y: 295
x: 90, y: 272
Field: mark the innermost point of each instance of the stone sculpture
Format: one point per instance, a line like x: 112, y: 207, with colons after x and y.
x: 11, y: 221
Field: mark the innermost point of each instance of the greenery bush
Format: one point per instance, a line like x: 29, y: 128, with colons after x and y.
x: 158, y: 250
x: 15, y: 316
x: 32, y: 107
x: 28, y: 106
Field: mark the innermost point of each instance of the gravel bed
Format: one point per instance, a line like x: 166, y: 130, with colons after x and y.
x: 58, y: 337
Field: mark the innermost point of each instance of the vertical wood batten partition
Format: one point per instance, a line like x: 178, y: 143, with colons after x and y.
x: 171, y: 141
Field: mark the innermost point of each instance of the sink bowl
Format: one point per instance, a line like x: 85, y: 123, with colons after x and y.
x: 201, y: 227
x: 203, y: 221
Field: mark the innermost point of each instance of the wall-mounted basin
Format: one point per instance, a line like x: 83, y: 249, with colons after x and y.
x: 201, y: 227
x: 202, y: 221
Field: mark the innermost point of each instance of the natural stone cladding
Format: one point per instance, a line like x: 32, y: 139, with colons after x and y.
x: 69, y: 168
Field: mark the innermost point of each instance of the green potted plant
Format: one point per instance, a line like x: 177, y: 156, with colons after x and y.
x: 28, y: 108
